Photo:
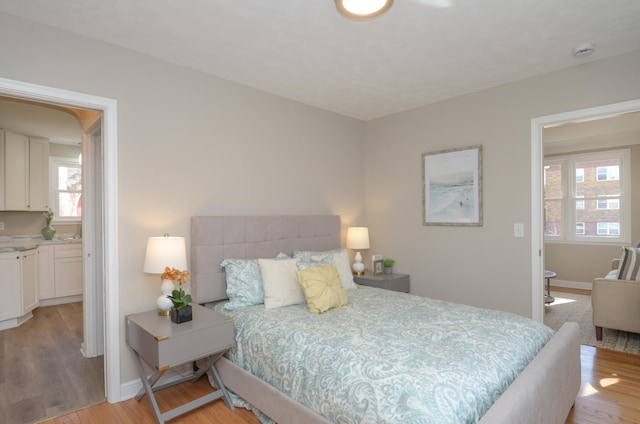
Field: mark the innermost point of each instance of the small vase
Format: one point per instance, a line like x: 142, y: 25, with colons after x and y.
x: 388, y: 270
x: 181, y: 315
x: 48, y: 232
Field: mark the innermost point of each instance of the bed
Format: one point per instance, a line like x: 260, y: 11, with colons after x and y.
x: 543, y: 392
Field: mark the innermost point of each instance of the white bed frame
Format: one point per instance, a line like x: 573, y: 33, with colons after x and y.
x: 543, y: 393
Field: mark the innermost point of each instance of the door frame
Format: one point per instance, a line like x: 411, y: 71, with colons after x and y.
x: 108, y: 107
x: 537, y: 187
x: 93, y: 305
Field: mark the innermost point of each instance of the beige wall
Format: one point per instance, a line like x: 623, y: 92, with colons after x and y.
x: 191, y: 144
x: 484, y: 266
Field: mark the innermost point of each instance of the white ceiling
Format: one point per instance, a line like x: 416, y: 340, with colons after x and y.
x: 420, y: 52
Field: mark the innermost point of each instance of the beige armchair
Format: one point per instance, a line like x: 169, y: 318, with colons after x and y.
x: 615, y: 303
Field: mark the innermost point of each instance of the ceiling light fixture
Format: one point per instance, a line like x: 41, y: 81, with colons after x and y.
x: 362, y: 9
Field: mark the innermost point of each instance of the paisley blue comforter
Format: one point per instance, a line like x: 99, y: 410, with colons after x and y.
x: 388, y: 357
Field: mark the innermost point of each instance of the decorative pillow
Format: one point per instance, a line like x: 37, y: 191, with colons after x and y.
x: 244, y: 282
x: 339, y: 257
x: 280, y: 283
x: 629, y: 264
x: 322, y: 288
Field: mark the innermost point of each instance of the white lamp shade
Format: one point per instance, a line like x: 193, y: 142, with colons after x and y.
x: 357, y: 238
x: 164, y: 252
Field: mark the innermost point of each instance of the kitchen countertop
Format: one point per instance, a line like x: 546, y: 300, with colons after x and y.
x: 25, y: 242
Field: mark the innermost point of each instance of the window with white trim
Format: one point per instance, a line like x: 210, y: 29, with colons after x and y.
x: 65, y: 188
x: 588, y: 193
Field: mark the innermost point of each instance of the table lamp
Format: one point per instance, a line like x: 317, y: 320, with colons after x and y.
x: 357, y: 239
x: 164, y: 252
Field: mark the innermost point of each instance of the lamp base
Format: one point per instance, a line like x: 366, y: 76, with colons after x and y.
x: 164, y: 305
x: 358, y: 266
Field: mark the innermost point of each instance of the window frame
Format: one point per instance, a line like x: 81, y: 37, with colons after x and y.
x: 54, y: 163
x: 569, y: 187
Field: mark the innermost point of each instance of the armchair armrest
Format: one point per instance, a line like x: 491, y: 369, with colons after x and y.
x: 615, y: 263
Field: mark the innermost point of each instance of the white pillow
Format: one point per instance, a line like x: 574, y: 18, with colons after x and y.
x: 338, y: 257
x: 280, y: 283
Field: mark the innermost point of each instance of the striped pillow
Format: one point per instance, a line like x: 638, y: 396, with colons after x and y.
x: 629, y: 264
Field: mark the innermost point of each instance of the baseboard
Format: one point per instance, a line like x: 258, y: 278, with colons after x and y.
x: 15, y: 322
x: 130, y: 389
x: 571, y: 284
x: 60, y: 300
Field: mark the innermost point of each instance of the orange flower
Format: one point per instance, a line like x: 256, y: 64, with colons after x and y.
x: 175, y: 275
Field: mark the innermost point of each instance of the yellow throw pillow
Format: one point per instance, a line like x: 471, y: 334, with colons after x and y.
x: 322, y: 288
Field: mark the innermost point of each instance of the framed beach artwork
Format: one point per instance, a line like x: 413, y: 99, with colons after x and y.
x: 452, y: 187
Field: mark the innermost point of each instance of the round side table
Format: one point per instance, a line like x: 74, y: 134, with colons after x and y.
x: 549, y: 275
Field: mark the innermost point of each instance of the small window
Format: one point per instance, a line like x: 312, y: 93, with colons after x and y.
x: 579, y: 205
x: 579, y: 228
x: 608, y: 204
x: 66, y: 188
x: 579, y: 175
x: 608, y: 173
x: 608, y: 228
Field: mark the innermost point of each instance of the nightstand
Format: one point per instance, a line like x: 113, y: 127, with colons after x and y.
x: 395, y: 282
x: 163, y: 344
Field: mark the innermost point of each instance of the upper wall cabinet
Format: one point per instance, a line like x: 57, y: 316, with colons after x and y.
x: 24, y: 172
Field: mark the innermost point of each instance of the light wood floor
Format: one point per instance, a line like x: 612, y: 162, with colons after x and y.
x: 42, y: 372
x: 610, y: 393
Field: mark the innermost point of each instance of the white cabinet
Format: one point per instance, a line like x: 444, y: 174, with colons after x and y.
x: 18, y: 285
x: 10, y: 285
x: 16, y: 171
x: 38, y: 174
x: 59, y: 272
x: 29, y: 280
x: 46, y: 277
x: 68, y: 269
x: 25, y: 181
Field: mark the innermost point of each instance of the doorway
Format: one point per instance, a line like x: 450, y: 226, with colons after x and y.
x: 103, y: 235
x: 537, y: 192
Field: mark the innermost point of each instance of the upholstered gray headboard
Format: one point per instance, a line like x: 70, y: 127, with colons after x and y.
x: 215, y: 238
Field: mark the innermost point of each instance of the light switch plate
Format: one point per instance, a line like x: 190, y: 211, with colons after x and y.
x: 1, y: 226
x: 518, y: 230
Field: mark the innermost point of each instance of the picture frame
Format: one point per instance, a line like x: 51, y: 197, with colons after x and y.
x: 452, y: 187
x: 378, y: 267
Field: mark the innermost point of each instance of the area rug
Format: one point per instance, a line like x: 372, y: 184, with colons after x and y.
x: 577, y: 307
